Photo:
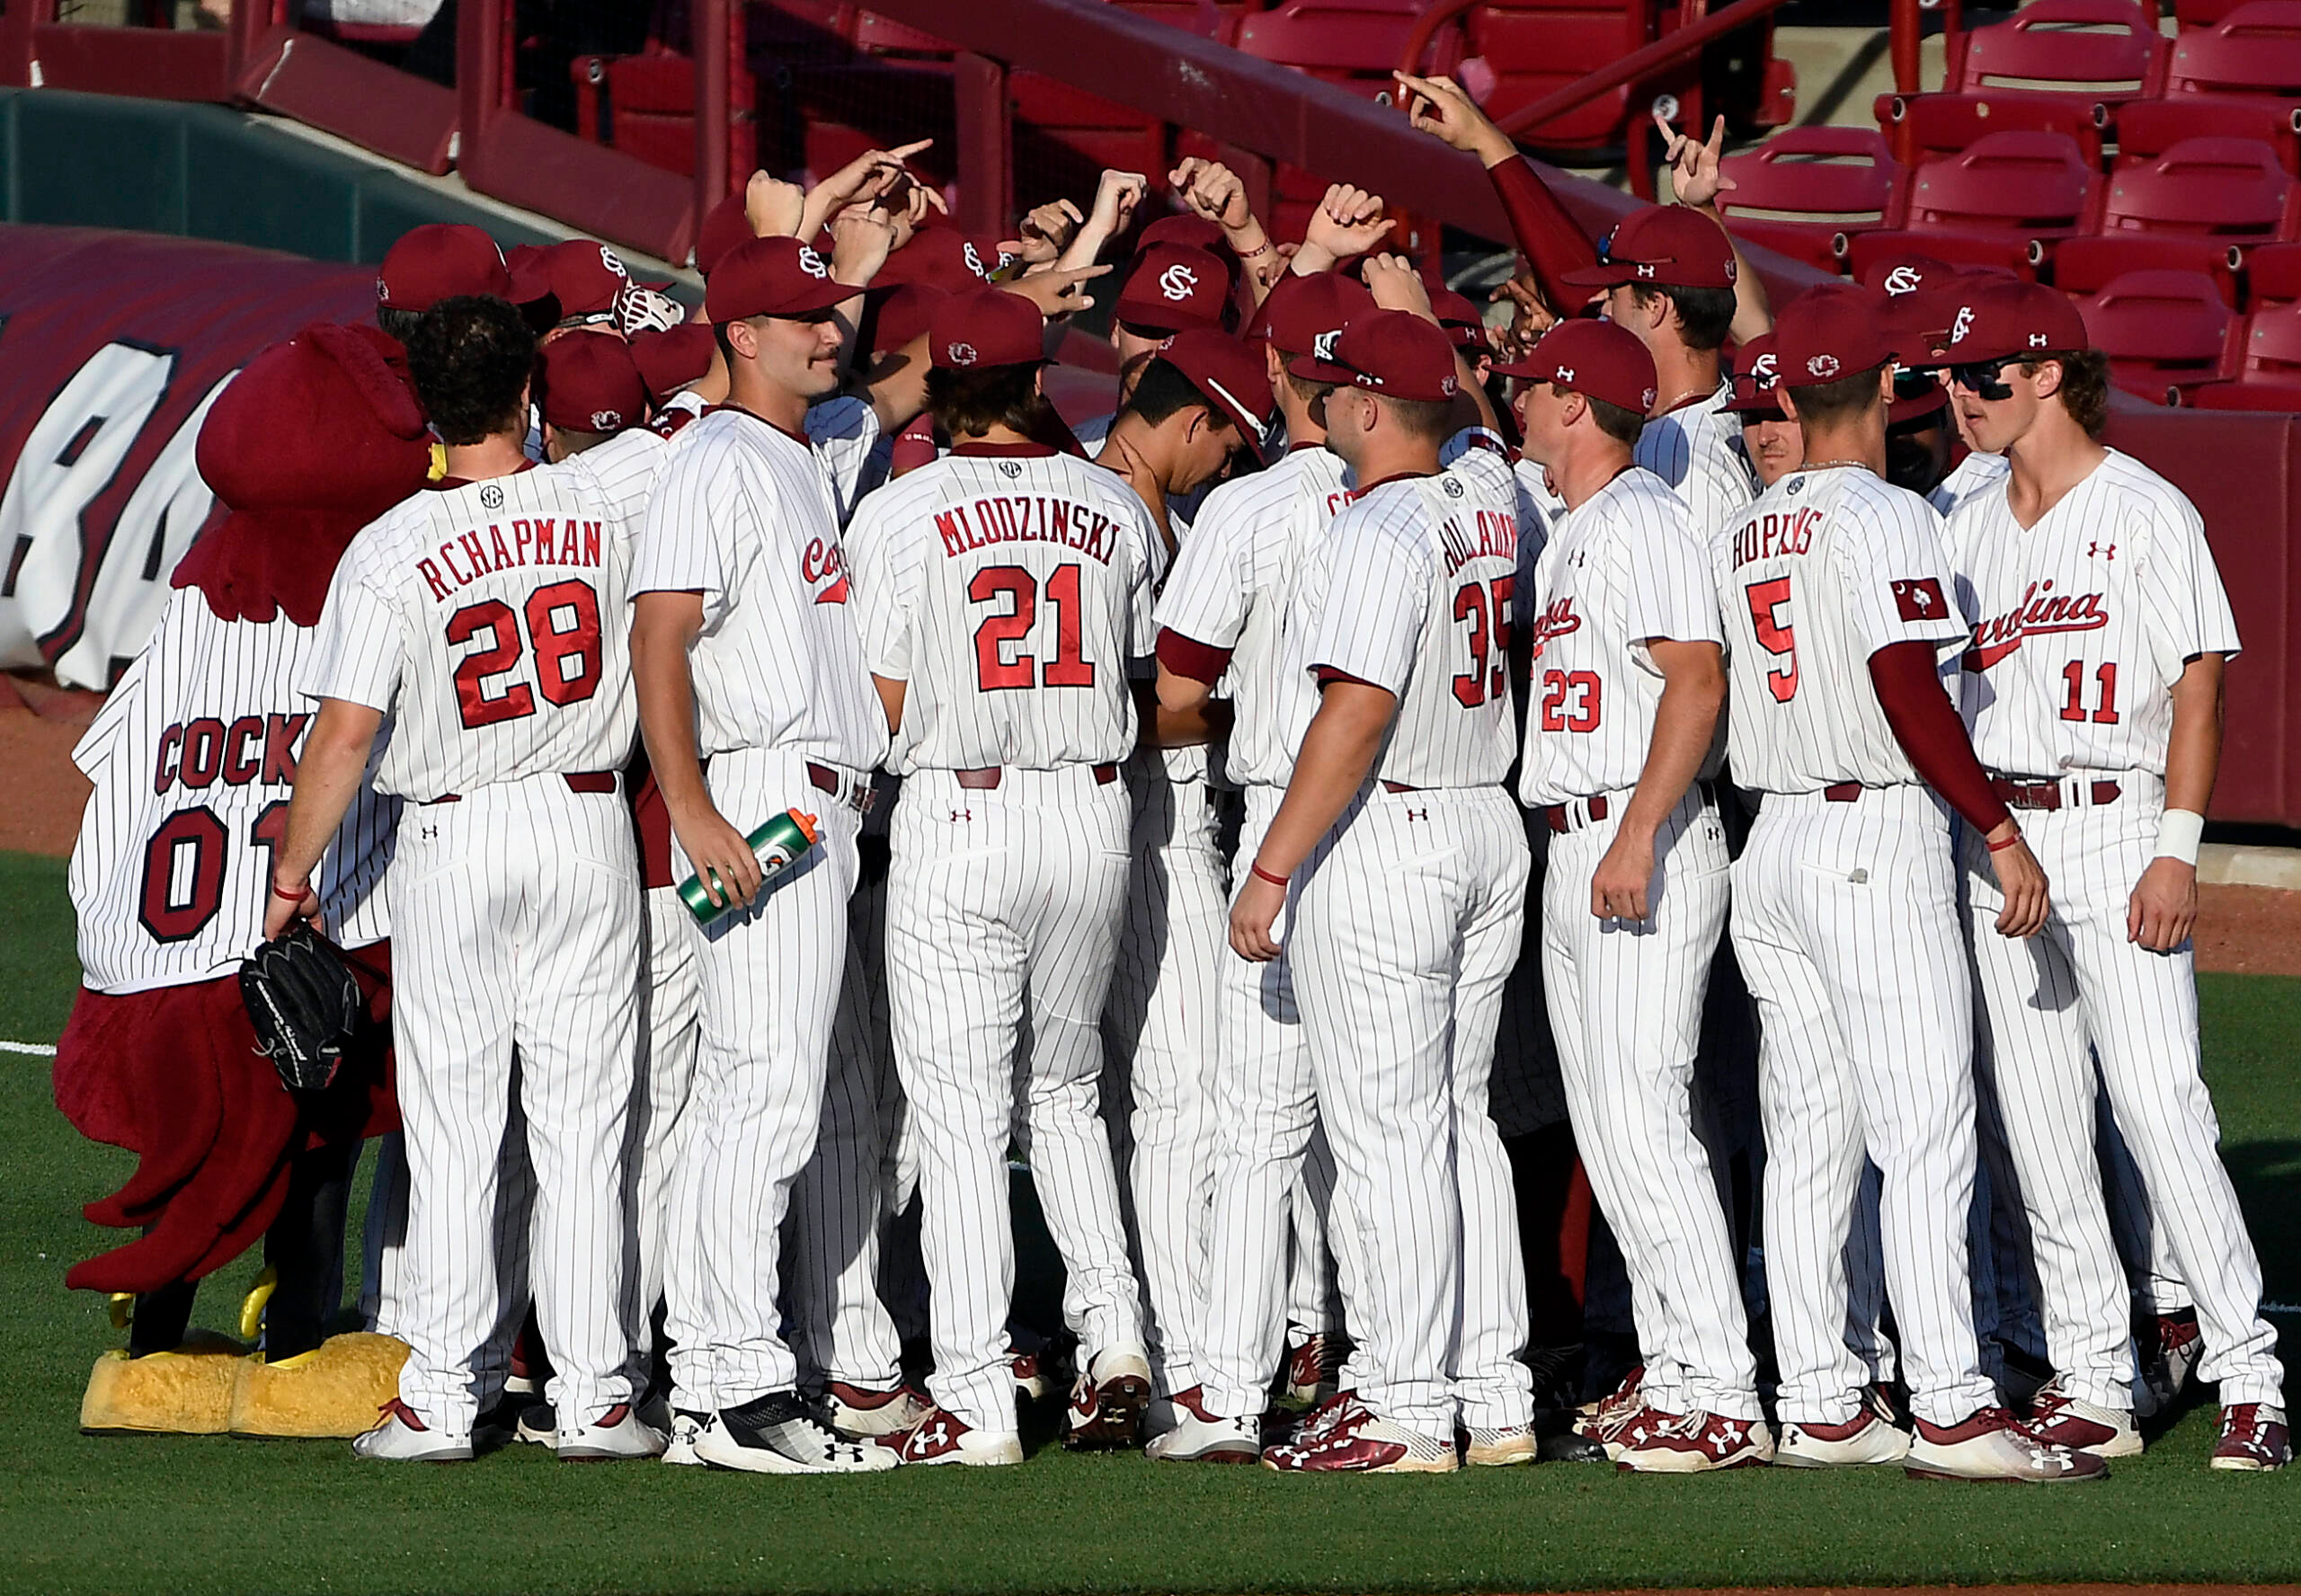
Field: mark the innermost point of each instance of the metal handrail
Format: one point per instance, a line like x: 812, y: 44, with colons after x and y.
x: 1666, y: 52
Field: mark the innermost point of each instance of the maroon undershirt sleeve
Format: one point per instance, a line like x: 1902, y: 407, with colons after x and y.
x: 1927, y: 726
x: 1553, y: 242
x: 1189, y: 657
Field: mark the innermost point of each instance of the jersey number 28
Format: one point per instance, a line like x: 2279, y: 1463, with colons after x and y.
x: 556, y: 646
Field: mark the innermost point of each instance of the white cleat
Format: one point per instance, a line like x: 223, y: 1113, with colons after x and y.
x: 618, y: 1432
x: 1194, y: 1435
x: 2059, y: 1419
x: 1868, y: 1437
x: 679, y: 1448
x: 1992, y: 1445
x: 860, y: 1413
x: 1500, y: 1447
x: 940, y: 1438
x: 403, y: 1437
x: 776, y: 1434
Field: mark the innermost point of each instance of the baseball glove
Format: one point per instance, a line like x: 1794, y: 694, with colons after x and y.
x: 304, y: 1004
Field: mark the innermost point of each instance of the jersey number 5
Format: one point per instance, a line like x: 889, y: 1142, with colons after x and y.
x: 1486, y: 607
x: 556, y: 646
x: 995, y: 669
x: 1775, y: 635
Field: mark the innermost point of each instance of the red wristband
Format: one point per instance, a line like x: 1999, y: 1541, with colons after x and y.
x: 1999, y: 847
x: 1259, y: 874
x: 295, y: 897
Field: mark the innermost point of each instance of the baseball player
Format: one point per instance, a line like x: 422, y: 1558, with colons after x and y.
x: 1222, y: 620
x: 1400, y: 867
x: 1837, y: 603
x: 2093, y: 690
x: 1628, y: 685
x: 473, y: 618
x: 1771, y: 440
x: 1169, y: 288
x: 1006, y: 593
x: 747, y: 655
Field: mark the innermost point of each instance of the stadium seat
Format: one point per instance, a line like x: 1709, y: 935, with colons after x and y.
x: 2100, y: 50
x: 2016, y: 256
x: 1534, y: 48
x: 2088, y: 265
x: 2019, y: 187
x: 2273, y: 275
x: 1822, y: 251
x: 2254, y: 50
x: 2269, y: 367
x: 2147, y: 128
x: 2162, y: 329
x: 1357, y: 43
x: 1820, y: 181
x: 2218, y: 188
x: 2202, y: 14
x: 1922, y: 127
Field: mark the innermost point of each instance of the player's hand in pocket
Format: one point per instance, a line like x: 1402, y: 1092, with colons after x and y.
x: 2022, y: 880
x: 2163, y: 910
x: 1253, y: 918
x: 1618, y: 887
x: 722, y: 859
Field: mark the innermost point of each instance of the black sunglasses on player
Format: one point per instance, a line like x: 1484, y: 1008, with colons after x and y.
x: 1982, y: 378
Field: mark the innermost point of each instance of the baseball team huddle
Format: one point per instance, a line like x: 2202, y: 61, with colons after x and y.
x: 1267, y: 813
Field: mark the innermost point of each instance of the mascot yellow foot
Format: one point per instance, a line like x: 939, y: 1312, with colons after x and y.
x: 332, y: 1390
x: 184, y: 1392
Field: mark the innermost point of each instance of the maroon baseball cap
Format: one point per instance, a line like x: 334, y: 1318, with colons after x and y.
x: 583, y: 275
x: 1828, y: 332
x: 440, y: 261
x: 1173, y: 290
x: 1231, y: 372
x: 949, y: 259
x: 1905, y: 272
x: 1391, y: 352
x: 1668, y: 246
x: 987, y: 327
x: 671, y: 359
x: 1303, y: 308
x: 772, y: 277
x: 1183, y: 230
x: 1997, y: 320
x: 723, y: 226
x: 591, y: 385
x: 904, y: 314
x: 1596, y: 359
x: 1460, y: 317
x: 1755, y: 377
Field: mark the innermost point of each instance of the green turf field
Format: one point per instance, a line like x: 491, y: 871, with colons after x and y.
x: 198, y: 1514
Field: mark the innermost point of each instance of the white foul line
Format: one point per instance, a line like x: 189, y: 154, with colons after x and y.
x: 39, y: 1050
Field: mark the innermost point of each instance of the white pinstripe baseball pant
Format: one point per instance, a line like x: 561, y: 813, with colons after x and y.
x: 1270, y: 1161
x: 515, y: 922
x: 2080, y: 991
x: 1003, y: 907
x: 1625, y: 1005
x: 1846, y: 921
x: 671, y: 1011
x: 1159, y: 1036
x: 1404, y: 924
x: 770, y: 979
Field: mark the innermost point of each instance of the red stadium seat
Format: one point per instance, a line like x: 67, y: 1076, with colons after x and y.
x: 1815, y: 246
x: 1820, y: 181
x: 2099, y: 50
x: 2269, y: 367
x: 2162, y: 329
x: 2203, y: 13
x: 1357, y: 43
x: 1537, y: 47
x: 2219, y: 188
x: 2255, y: 49
x: 2273, y: 275
x: 2019, y: 186
x: 2016, y: 256
x: 1921, y: 127
x: 2147, y: 128
x: 2088, y: 265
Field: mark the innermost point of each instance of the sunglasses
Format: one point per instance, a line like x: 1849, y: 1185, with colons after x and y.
x: 1913, y: 383
x: 1982, y: 378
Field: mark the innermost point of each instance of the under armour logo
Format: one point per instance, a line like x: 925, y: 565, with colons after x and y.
x: 607, y: 421
x: 813, y: 265
x: 1322, y: 345
x: 1564, y: 374
x: 1644, y: 270
x: 2095, y: 551
x: 1418, y: 814
x: 613, y: 262
x: 491, y: 496
x: 961, y: 815
x: 1963, y: 325
x: 1646, y: 399
x: 1733, y: 269
x: 1447, y: 384
x: 1822, y: 366
x: 1902, y: 279
x: 2036, y: 340
x: 383, y: 294
x: 430, y: 833
x: 1178, y: 282
x: 937, y: 1434
x: 961, y: 354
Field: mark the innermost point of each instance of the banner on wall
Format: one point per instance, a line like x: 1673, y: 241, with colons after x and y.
x: 114, y: 345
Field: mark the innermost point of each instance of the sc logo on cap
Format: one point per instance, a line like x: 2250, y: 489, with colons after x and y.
x: 613, y: 262
x: 961, y: 354
x: 1822, y: 366
x: 1902, y: 280
x: 607, y: 421
x: 1963, y: 325
x: 1322, y: 344
x: 975, y: 261
x: 812, y: 263
x: 1177, y: 282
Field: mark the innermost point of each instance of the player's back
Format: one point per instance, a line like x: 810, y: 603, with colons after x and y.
x: 1697, y: 450
x: 505, y: 602
x: 1010, y: 589
x: 1824, y: 569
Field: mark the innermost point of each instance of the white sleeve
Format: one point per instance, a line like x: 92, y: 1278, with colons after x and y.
x: 1370, y: 628
x: 358, y: 652
x: 1664, y: 579
x: 1895, y: 575
x: 1207, y: 594
x: 2186, y: 613
x: 883, y: 562
x: 687, y: 542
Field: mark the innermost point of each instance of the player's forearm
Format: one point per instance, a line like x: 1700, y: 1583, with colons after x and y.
x: 1753, y: 311
x: 1685, y: 728
x: 1179, y: 694
x: 1337, y: 755
x: 328, y: 775
x: 1547, y: 233
x: 1924, y: 723
x: 1207, y: 720
x: 2193, y: 755
x: 1472, y: 404
x: 897, y: 397
x: 664, y: 686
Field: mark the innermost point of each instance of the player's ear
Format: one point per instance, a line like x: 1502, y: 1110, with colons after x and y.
x: 1038, y: 382
x: 1886, y: 382
x: 2048, y: 378
x: 1788, y: 398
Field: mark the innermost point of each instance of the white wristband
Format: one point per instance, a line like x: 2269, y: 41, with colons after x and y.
x: 2178, y: 834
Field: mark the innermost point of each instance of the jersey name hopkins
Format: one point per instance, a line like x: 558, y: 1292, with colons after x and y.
x: 2041, y: 610
x: 545, y: 540
x: 1776, y: 533
x: 1026, y: 518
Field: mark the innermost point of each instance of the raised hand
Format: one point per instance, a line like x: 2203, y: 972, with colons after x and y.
x: 1442, y: 108
x: 1695, y: 177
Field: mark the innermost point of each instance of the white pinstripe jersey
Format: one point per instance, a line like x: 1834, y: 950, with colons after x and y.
x: 1825, y: 570
x: 2086, y: 621
x: 192, y: 756
x: 1410, y: 591
x: 1622, y: 570
x: 1697, y: 450
x: 1010, y: 588
x: 1973, y: 475
x: 1232, y: 582
x: 845, y: 431
x: 746, y: 515
x: 487, y: 619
